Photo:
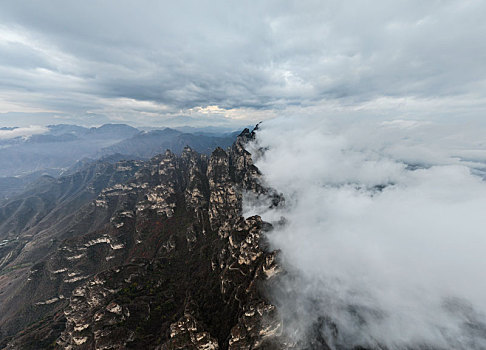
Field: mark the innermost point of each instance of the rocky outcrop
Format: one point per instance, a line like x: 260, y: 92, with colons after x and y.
x: 176, y: 266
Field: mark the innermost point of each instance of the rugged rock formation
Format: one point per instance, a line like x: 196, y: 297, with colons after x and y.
x: 175, y: 265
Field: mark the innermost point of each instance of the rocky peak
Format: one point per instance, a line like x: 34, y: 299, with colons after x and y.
x: 176, y: 265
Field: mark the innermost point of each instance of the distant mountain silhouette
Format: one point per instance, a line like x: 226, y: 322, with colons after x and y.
x: 24, y: 159
x: 149, y: 143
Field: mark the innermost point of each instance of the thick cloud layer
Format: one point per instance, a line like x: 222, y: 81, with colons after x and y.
x: 384, y: 233
x: 144, y: 62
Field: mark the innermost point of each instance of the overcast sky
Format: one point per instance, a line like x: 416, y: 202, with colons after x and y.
x: 238, y: 62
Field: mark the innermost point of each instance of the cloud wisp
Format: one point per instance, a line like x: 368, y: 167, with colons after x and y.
x: 11, y: 133
x: 384, y: 236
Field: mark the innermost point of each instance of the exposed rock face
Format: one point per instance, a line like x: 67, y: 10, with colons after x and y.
x: 175, y: 266
x: 35, y: 259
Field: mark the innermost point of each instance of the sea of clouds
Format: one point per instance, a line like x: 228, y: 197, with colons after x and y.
x: 385, y: 230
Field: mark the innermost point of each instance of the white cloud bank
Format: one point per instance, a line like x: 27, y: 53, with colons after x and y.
x: 385, y: 232
x: 22, y: 132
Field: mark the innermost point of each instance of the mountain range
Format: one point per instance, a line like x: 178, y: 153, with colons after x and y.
x: 140, y: 255
x: 53, y: 152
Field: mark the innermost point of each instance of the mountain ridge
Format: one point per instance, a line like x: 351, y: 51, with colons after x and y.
x: 177, y: 218
x: 60, y: 147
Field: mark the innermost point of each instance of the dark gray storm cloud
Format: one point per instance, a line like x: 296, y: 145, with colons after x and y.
x: 233, y: 62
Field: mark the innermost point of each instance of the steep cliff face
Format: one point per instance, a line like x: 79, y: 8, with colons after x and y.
x: 175, y: 267
x: 34, y: 226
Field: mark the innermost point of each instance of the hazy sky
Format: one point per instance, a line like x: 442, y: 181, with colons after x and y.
x: 238, y: 62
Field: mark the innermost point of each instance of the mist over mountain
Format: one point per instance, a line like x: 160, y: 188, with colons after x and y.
x: 234, y: 175
x: 382, y: 234
x: 339, y: 237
